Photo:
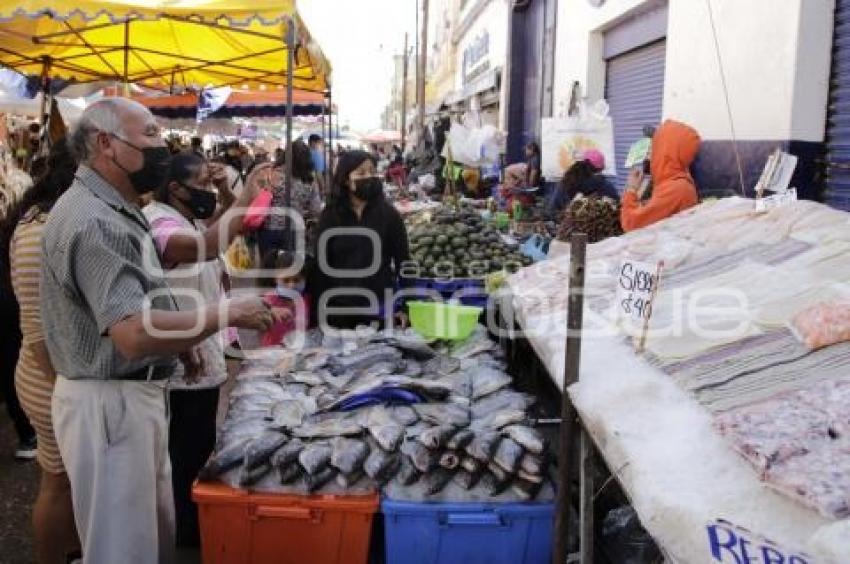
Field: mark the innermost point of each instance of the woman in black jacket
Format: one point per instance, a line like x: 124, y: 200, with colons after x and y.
x: 362, y: 243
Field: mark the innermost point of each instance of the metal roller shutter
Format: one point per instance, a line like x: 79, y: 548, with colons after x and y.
x: 634, y: 88
x: 838, y: 118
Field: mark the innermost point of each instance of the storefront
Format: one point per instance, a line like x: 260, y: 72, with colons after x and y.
x: 837, y: 171
x: 481, y: 39
x: 776, y: 84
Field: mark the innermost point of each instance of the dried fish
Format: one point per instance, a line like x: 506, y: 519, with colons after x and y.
x: 499, y: 419
x: 536, y: 478
x: 348, y: 454
x: 413, y: 346
x: 466, y: 480
x: 404, y: 415
x: 483, y: 445
x: 526, y: 490
x: 250, y: 476
x: 499, y: 401
x: 367, y: 356
x: 289, y: 473
x: 384, y: 429
x: 328, y: 425
x: 460, y: 439
x: 532, y: 463
x: 508, y: 455
x: 287, y: 414
x: 486, y: 380
x: 305, y: 377
x: 381, y: 466
x: 349, y: 480
x: 319, y: 479
x: 446, y: 413
x: 449, y: 460
x: 498, y: 472
x: 436, y: 437
x: 530, y: 439
x: 408, y: 473
x: 437, y: 480
x: 412, y: 369
x: 314, y: 457
x: 260, y: 449
x: 492, y: 485
x: 423, y: 458
x: 470, y: 464
x: 441, y: 365
x: 223, y: 460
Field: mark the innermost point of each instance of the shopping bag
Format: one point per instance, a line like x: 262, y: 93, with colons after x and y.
x: 564, y: 139
x: 258, y: 211
x: 534, y: 248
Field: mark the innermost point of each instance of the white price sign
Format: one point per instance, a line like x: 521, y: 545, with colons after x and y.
x: 770, y: 202
x: 636, y: 289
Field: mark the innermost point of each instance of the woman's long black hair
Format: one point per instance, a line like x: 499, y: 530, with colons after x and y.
x: 578, y: 178
x: 57, y: 178
x: 184, y: 166
x: 346, y: 164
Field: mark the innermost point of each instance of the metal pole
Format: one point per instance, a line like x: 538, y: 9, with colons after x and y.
x: 126, y: 57
x: 423, y: 64
x: 45, y: 88
x: 329, y: 146
x: 404, y: 96
x: 290, y: 64
x: 569, y: 422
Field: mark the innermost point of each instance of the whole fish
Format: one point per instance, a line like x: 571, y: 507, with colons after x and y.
x: 305, y: 377
x: 460, y: 383
x: 449, y: 460
x: 530, y: 439
x: 332, y: 425
x: 525, y: 490
x: 498, y: 472
x: 423, y: 458
x: 407, y: 473
x: 508, y: 455
x: 483, y: 445
x: 441, y: 365
x: 348, y: 454
x: 266, y: 388
x: 349, y: 480
x: 447, y: 413
x: 287, y: 414
x: 492, y: 485
x: 436, y: 437
x: 499, y: 419
x: 250, y: 476
x: 470, y: 464
x: 413, y: 346
x: 387, y: 436
x: 319, y: 479
x: 314, y: 457
x: 536, y: 478
x: 367, y: 356
x: 412, y: 369
x: 383, y: 368
x: 287, y: 454
x: 460, y: 439
x: 437, y: 480
x: 404, y: 415
x: 466, y: 480
x: 223, y: 460
x: 289, y: 473
x: 532, y: 464
x: 381, y: 466
x: 475, y: 345
x: 500, y: 401
x: 260, y: 449
x: 486, y: 380
x: 311, y: 359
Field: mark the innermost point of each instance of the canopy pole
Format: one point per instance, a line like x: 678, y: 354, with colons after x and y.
x: 45, y: 88
x: 404, y: 96
x: 290, y: 65
x: 126, y: 57
x: 329, y: 144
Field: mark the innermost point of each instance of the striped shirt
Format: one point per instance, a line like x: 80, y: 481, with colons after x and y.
x: 100, y: 267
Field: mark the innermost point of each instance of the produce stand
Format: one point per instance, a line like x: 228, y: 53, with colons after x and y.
x: 699, y: 499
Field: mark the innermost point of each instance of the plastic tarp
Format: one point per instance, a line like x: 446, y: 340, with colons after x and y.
x: 254, y: 103
x: 160, y: 42
x: 70, y: 108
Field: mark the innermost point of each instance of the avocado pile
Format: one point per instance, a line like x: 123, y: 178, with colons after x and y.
x: 460, y: 245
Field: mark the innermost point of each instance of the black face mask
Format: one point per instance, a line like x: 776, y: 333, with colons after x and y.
x: 154, y: 172
x: 201, y: 203
x: 368, y: 189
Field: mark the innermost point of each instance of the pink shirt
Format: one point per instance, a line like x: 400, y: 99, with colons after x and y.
x: 279, y: 330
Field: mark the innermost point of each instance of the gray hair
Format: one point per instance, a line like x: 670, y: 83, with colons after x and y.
x: 104, y: 115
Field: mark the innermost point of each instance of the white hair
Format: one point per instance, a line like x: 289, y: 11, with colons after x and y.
x: 106, y: 115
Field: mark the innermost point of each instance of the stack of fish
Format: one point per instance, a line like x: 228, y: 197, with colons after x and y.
x: 353, y: 413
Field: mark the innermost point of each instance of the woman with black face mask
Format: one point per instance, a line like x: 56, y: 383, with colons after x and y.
x: 188, y: 227
x: 359, y: 266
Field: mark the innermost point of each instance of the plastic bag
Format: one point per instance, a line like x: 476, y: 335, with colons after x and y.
x: 238, y: 256
x: 534, y: 248
x: 823, y: 324
x: 624, y: 539
x: 258, y: 211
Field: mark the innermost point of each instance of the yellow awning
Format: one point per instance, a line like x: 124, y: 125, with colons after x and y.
x: 161, y: 42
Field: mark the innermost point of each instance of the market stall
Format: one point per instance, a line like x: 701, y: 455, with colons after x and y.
x: 727, y: 432
x: 252, y: 103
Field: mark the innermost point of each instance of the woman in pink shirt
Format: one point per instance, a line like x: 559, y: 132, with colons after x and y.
x: 289, y: 299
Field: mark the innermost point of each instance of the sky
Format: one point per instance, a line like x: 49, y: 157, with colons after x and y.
x: 360, y: 37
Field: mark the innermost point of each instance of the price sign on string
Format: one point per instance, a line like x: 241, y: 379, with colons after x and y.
x: 637, y: 286
x: 769, y: 202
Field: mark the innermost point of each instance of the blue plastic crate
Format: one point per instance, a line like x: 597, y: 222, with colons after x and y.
x: 467, y: 533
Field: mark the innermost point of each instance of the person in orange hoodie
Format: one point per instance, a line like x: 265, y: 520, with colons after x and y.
x: 674, y: 147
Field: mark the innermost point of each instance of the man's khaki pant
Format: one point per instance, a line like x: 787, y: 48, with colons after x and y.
x: 113, y: 437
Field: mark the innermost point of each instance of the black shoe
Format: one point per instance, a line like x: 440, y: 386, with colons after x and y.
x: 26, y: 450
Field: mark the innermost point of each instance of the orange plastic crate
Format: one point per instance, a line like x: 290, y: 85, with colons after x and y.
x: 240, y: 527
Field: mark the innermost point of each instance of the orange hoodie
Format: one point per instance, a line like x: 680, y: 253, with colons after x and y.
x: 674, y: 147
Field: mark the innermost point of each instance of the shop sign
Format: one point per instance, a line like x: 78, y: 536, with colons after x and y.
x: 769, y: 202
x: 475, y: 57
x: 731, y: 544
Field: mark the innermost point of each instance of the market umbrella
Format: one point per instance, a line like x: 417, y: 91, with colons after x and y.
x: 161, y: 43
x: 251, y: 103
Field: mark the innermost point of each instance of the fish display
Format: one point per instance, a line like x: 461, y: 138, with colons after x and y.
x: 365, y: 409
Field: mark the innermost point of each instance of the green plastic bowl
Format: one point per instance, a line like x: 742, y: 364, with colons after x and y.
x: 437, y: 320
x: 501, y: 220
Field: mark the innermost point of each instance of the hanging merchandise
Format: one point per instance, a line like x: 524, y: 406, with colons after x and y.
x: 474, y: 146
x: 563, y: 139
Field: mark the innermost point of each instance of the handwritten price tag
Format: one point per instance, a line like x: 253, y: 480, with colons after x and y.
x: 770, y: 202
x: 635, y: 290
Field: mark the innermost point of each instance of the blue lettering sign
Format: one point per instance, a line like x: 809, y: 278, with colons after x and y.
x: 730, y: 544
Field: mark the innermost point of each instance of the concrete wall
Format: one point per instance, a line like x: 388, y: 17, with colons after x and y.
x: 776, y: 59
x: 493, y: 19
